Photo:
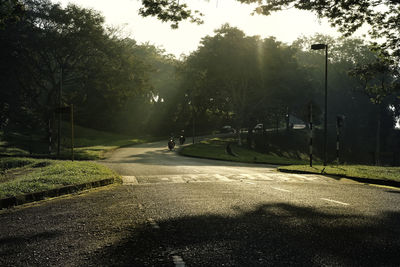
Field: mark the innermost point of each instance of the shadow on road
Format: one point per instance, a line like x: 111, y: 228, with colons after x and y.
x: 271, y: 235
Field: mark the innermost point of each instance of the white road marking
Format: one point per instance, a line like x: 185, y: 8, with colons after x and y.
x: 165, y: 179
x: 335, y: 201
x: 280, y: 189
x: 129, y: 180
x: 222, y: 178
x: 264, y: 177
x: 178, y: 261
x: 305, y: 177
x: 249, y: 183
x: 153, y: 223
x: 248, y: 176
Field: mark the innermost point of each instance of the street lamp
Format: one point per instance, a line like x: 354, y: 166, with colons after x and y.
x: 319, y: 47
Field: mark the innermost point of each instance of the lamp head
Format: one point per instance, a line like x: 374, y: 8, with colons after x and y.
x: 318, y: 46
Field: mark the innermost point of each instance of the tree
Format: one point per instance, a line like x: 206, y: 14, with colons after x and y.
x: 11, y: 11
x: 244, y: 78
x: 169, y: 11
x: 379, y: 80
x: 52, y: 46
x: 348, y: 16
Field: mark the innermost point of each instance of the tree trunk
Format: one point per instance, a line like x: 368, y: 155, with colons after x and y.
x: 378, y: 137
x: 287, y: 118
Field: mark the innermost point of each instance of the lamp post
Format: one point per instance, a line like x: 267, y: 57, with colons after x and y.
x: 319, y: 47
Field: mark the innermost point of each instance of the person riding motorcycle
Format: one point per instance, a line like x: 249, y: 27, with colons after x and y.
x: 171, y: 142
x: 182, y: 138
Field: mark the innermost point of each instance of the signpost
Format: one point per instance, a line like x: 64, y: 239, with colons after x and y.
x: 311, y: 135
x: 339, y: 124
x: 66, y: 110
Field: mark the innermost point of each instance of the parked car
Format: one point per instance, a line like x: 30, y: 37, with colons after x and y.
x: 258, y: 128
x: 227, y: 129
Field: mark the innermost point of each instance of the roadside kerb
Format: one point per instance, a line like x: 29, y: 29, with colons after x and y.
x: 357, y: 179
x: 36, y: 196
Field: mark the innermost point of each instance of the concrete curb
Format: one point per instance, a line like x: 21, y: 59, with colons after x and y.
x: 36, y: 196
x: 357, y: 179
x: 227, y: 160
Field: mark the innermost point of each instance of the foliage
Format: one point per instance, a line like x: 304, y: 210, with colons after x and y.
x: 54, y: 56
x: 216, y: 149
x: 42, y: 175
x: 11, y: 11
x: 169, y: 11
x: 348, y: 16
x: 379, y: 79
x: 243, y: 78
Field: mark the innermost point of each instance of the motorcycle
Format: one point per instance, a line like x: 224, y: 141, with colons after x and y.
x: 171, y: 144
x: 182, y: 139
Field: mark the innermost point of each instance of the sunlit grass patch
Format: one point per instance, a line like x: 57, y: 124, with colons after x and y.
x: 27, y: 175
x: 89, y: 144
x: 216, y: 149
x: 356, y: 171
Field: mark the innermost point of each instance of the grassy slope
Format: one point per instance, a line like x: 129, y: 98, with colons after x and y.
x: 357, y: 171
x: 89, y: 144
x: 27, y: 175
x: 92, y: 144
x: 216, y: 149
x: 19, y: 175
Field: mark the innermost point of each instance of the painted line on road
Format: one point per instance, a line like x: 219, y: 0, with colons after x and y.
x: 153, y: 223
x: 280, y: 189
x: 249, y: 183
x: 222, y: 178
x: 335, y: 201
x: 178, y: 261
x: 129, y: 180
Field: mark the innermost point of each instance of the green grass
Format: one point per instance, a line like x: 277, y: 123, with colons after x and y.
x: 27, y: 175
x: 352, y: 171
x: 216, y: 149
x: 89, y: 144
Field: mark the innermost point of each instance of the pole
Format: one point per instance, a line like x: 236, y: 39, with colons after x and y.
x: 59, y: 114
x: 311, y: 135
x: 193, y: 128
x: 326, y: 107
x: 72, y: 132
x: 337, y: 143
x: 49, y: 132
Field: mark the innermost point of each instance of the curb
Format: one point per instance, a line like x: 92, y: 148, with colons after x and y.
x: 36, y: 196
x: 357, y: 179
x: 227, y: 160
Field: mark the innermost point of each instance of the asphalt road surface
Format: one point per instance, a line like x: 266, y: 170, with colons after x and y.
x: 179, y: 211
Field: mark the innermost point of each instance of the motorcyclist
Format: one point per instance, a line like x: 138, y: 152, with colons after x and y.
x: 171, y: 142
x: 182, y: 137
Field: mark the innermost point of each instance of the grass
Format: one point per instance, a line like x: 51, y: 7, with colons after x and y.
x: 352, y: 171
x: 27, y: 175
x: 216, y: 149
x: 89, y: 144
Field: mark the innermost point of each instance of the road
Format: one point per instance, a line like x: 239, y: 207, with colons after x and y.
x: 179, y: 211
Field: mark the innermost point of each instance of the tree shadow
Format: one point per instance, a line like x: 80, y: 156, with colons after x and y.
x: 271, y: 235
x: 17, y: 243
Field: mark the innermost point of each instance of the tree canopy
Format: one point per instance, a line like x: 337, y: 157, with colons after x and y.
x: 383, y: 17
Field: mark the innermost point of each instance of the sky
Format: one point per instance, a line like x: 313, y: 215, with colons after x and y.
x: 286, y: 25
